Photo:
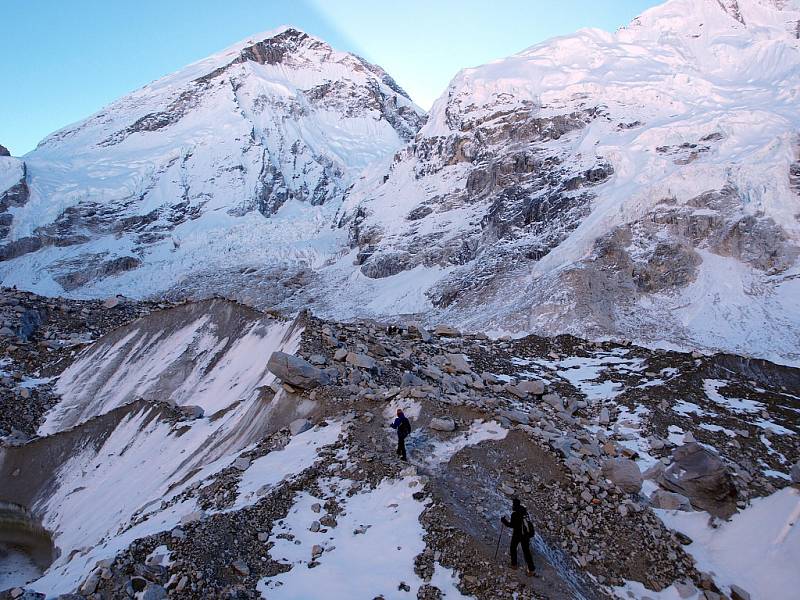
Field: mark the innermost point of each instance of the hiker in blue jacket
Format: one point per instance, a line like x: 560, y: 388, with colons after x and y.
x: 521, y: 534
x: 403, y: 427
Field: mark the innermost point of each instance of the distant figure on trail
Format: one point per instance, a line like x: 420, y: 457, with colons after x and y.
x: 403, y: 427
x: 522, y: 532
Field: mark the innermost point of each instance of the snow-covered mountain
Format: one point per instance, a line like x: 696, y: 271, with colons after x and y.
x: 198, y: 165
x: 642, y: 184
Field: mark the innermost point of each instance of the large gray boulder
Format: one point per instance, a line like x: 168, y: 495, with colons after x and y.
x: 296, y: 372
x: 699, y: 474
x: 624, y: 473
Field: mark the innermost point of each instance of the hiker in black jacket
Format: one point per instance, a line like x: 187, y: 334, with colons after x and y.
x: 403, y: 427
x: 521, y: 534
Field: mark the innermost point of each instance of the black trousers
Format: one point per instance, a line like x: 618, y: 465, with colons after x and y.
x: 401, y: 447
x: 526, y: 551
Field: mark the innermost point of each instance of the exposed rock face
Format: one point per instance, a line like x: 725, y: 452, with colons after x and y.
x: 4, y: 151
x: 700, y: 475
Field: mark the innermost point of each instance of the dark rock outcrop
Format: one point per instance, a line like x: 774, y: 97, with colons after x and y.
x: 699, y: 474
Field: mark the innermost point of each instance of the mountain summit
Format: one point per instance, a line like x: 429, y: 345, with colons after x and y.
x: 180, y: 170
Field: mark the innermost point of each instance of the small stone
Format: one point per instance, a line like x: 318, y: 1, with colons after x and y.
x: 263, y: 536
x: 316, y: 551
x: 241, y: 568
x: 314, y: 527
x: 360, y: 360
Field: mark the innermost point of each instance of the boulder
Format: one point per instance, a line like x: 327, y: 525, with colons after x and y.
x: 361, y: 360
x: 298, y: 426
x: 535, y: 388
x: 669, y: 501
x: 554, y: 400
x: 410, y: 380
x: 446, y: 331
x: 154, y: 592
x: 296, y: 372
x: 458, y: 362
x: 604, y: 418
x: 699, y: 474
x: 515, y: 416
x: 443, y: 424
x: 624, y: 473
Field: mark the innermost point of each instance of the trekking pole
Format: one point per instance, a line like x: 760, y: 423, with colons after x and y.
x: 498, y: 543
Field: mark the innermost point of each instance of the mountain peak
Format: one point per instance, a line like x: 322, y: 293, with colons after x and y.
x: 273, y: 49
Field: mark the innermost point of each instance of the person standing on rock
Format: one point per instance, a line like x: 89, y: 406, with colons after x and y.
x: 403, y: 427
x: 521, y: 533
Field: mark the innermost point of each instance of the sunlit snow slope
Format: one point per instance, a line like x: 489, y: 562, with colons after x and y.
x: 240, y: 158
x: 644, y: 183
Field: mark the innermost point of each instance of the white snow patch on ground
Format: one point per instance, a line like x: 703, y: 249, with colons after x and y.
x: 682, y: 407
x: 479, y: 431
x: 758, y: 549
x: 268, y: 471
x: 355, y: 565
x: 712, y: 387
x: 583, y: 372
x: 716, y: 428
x: 636, y: 590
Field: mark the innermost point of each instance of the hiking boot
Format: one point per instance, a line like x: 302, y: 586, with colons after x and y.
x: 533, y: 573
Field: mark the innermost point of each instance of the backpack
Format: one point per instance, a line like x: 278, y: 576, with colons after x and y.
x: 405, y: 428
x: 528, y: 530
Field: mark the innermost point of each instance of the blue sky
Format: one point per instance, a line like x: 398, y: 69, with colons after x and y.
x: 63, y: 60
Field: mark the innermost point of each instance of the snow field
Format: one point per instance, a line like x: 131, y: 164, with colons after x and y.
x: 370, y: 552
